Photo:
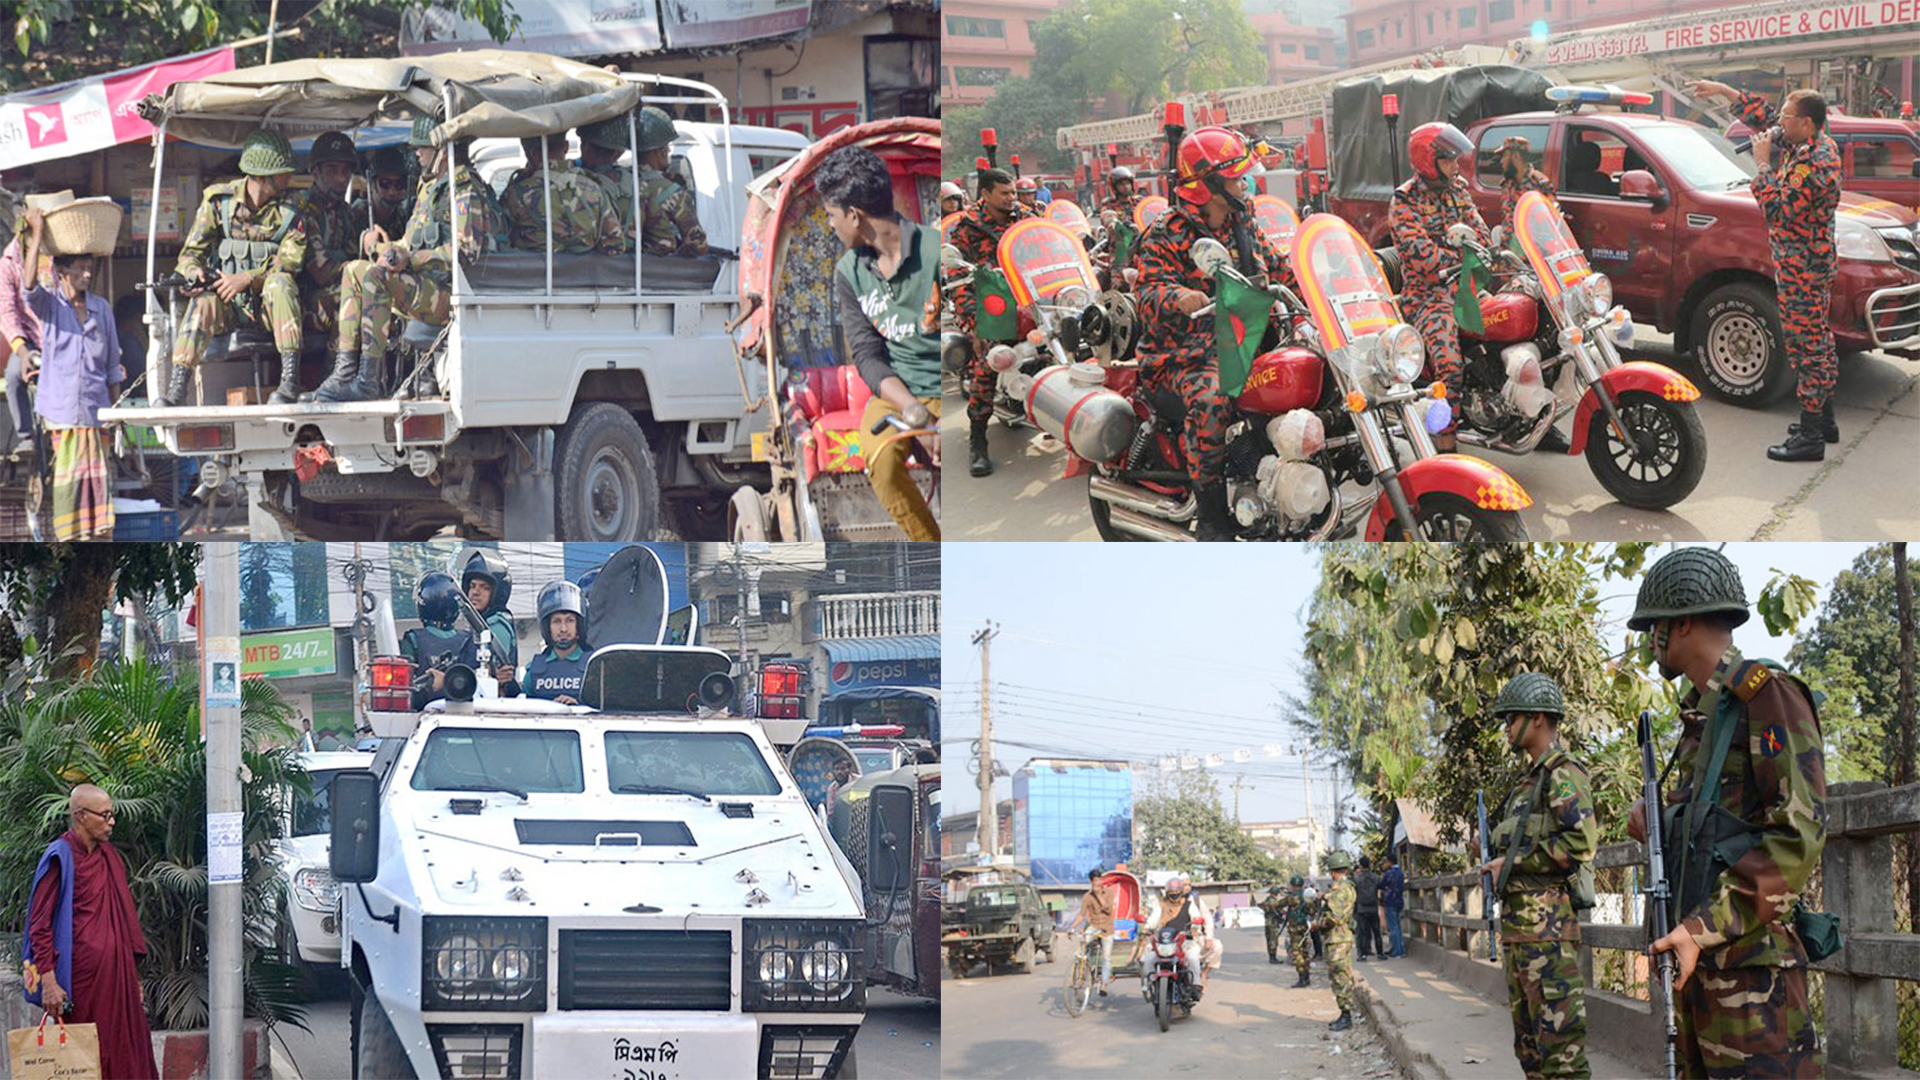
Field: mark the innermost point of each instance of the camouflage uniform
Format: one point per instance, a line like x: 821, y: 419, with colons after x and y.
x: 1274, y: 907
x: 393, y: 219
x: 1800, y: 198
x: 1539, y: 930
x: 1745, y: 1011
x: 1299, y: 918
x: 333, y: 240
x: 1420, y: 215
x: 617, y: 181
x: 280, y: 251
x: 669, y: 219
x: 585, y: 219
x: 977, y: 236
x: 1511, y: 187
x: 1337, y: 920
x: 369, y: 294
x: 1176, y: 351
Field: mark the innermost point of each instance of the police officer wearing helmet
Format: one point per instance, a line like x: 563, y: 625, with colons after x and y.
x: 953, y: 198
x: 1176, y: 351
x: 1744, y: 825
x: 1545, y: 838
x: 392, y: 199
x: 1421, y: 212
x: 436, y: 644
x: 559, y: 670
x: 253, y: 239
x: 332, y: 240
x: 489, y: 585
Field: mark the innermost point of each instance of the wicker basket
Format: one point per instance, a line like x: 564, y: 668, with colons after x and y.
x: 84, y: 227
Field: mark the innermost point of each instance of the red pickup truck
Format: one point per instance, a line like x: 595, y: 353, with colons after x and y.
x: 1662, y: 207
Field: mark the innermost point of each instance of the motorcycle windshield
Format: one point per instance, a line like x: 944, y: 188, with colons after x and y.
x: 1277, y: 220
x: 1067, y: 213
x: 1341, y: 282
x: 1042, y: 260
x: 1548, y: 244
x: 1148, y: 210
x: 947, y: 223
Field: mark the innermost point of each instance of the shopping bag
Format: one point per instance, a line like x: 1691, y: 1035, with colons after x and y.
x: 63, y: 1052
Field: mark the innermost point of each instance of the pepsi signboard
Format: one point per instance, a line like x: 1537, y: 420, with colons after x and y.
x: 843, y: 675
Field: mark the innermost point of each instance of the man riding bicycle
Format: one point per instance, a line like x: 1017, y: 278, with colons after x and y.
x: 1096, y: 914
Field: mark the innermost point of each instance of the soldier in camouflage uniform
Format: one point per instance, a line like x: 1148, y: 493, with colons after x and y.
x: 332, y: 239
x: 1741, y: 979
x: 249, y: 234
x: 666, y: 219
x: 1336, y: 918
x: 1547, y: 832
x: 413, y: 276
x: 1298, y: 915
x: 392, y: 201
x: 584, y: 218
x: 977, y: 236
x: 1274, y: 908
x: 1800, y: 195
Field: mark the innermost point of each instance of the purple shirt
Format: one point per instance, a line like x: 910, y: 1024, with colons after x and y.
x: 16, y: 320
x: 78, y: 360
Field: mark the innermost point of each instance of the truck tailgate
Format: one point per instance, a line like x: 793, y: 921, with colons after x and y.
x: 231, y: 414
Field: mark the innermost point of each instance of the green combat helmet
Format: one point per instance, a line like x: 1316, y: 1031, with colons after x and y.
x: 656, y: 129
x: 1530, y: 692
x: 1690, y: 581
x: 1339, y: 860
x: 1297, y: 881
x: 608, y: 134
x: 422, y: 134
x: 332, y: 146
x: 266, y: 153
x: 1271, y: 891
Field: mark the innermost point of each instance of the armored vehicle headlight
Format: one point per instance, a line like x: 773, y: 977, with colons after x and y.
x: 460, y: 962
x: 823, y: 965
x: 512, y: 965
x: 802, y: 964
x: 483, y: 963
x: 775, y: 967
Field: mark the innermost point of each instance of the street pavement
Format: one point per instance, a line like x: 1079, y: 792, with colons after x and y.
x: 900, y: 1039
x: 1248, y: 1025
x: 1864, y: 490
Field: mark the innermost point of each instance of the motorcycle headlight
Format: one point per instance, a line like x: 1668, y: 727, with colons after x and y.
x: 1074, y: 297
x: 1853, y: 239
x: 1400, y: 354
x: 315, y: 889
x: 1001, y: 358
x: 1598, y: 295
x: 1164, y: 948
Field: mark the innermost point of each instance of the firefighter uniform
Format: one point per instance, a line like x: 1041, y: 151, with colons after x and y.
x: 1420, y: 215
x: 977, y: 235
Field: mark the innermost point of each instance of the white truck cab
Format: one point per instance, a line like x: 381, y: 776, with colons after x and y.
x: 535, y: 889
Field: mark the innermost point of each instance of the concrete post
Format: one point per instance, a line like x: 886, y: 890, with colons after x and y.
x: 1857, y: 883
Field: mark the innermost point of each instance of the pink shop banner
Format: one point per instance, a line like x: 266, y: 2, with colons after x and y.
x: 95, y: 113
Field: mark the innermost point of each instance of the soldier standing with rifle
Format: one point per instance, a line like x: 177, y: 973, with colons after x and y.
x: 1659, y: 896
x: 1298, y: 912
x: 1274, y: 907
x: 1742, y: 829
x: 1337, y: 920
x: 1548, y: 834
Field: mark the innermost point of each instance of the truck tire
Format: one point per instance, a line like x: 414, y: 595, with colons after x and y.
x: 1022, y: 960
x: 378, y: 1055
x: 1738, y: 343
x: 605, y: 487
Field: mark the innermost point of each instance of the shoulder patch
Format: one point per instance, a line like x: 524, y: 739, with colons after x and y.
x: 1563, y: 790
x: 1801, y: 172
x: 1748, y: 680
x: 1773, y: 740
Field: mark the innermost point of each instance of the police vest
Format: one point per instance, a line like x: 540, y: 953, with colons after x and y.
x: 550, y: 675
x: 245, y: 256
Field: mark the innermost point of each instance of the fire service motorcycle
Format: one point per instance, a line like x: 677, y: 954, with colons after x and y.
x: 1549, y: 346
x: 1168, y: 984
x: 1331, y: 403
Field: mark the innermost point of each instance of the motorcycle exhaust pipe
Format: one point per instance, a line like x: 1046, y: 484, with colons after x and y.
x: 1141, y: 501
x: 1147, y: 528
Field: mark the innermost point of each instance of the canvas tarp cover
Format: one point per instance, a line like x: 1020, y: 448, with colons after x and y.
x: 1459, y: 96
x: 496, y: 93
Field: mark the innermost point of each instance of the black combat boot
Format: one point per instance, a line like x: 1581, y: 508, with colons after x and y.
x: 289, y: 389
x: 1344, y: 1022
x: 1302, y: 981
x: 979, y: 463
x: 176, y: 388
x: 1806, y: 441
x: 1215, y: 525
x: 1828, y: 426
x: 371, y: 383
x: 1272, y: 959
x: 346, y: 365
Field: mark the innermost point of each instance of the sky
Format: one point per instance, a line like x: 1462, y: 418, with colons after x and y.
x: 1139, y: 651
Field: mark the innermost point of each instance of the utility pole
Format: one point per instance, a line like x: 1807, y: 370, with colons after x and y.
x: 1313, y: 867
x: 220, y: 708
x: 989, y: 814
x: 1237, y: 781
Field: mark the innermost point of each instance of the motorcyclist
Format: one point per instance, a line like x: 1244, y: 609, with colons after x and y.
x: 1182, y: 910
x: 1176, y: 351
x: 437, y: 599
x: 977, y: 235
x: 953, y: 198
x: 559, y: 670
x: 1028, y: 192
x: 1121, y: 193
x: 1422, y: 211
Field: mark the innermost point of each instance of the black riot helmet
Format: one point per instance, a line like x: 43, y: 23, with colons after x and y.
x: 486, y: 563
x: 561, y: 596
x: 437, y: 599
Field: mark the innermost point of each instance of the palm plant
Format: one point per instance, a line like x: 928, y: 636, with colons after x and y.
x: 127, y: 729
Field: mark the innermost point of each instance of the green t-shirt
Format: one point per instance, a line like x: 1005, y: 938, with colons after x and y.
x: 903, y: 308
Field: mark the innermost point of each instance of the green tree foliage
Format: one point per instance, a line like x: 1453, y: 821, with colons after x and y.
x: 73, y: 584
x: 56, y: 40
x: 1182, y: 826
x: 1852, y: 654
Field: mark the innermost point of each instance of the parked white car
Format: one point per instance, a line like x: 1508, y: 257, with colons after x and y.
x: 310, y: 923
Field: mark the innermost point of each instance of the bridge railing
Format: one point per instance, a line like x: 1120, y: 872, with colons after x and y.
x: 1868, y: 990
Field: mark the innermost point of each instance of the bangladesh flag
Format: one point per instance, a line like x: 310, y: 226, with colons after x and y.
x: 1240, y: 314
x: 1466, y: 292
x: 1124, y: 239
x: 994, y: 316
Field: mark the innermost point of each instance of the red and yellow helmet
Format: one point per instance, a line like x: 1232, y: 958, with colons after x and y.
x: 1205, y: 154
x: 1025, y: 185
x: 1429, y: 143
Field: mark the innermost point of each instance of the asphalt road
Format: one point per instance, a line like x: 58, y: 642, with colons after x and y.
x: 1248, y: 1025
x: 900, y: 1039
x: 1863, y: 491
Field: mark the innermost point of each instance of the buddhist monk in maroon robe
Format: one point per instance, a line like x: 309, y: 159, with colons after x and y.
x: 105, y: 939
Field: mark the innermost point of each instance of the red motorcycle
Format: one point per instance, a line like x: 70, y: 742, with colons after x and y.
x: 1329, y: 407
x: 1550, y: 346
x: 1169, y: 984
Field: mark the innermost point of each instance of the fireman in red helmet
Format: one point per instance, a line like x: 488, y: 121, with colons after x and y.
x: 1026, y: 191
x: 1176, y: 351
x: 977, y: 234
x: 1423, y: 209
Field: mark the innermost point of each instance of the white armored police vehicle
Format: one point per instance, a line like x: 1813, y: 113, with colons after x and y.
x: 630, y: 887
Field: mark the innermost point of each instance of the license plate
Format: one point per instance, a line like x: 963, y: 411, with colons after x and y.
x: 641, y: 1046
x: 758, y: 444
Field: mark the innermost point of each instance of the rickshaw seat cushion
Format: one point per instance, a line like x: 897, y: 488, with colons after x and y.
x: 831, y: 400
x: 526, y: 271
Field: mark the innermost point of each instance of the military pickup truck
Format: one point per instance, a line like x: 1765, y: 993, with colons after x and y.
x: 1005, y: 925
